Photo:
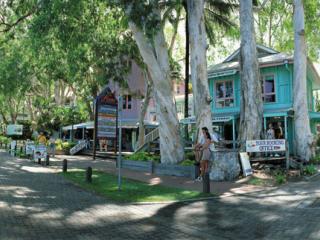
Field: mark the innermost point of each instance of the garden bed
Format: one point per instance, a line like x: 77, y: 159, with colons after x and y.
x: 160, y: 168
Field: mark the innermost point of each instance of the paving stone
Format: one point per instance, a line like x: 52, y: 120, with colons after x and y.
x: 36, y: 203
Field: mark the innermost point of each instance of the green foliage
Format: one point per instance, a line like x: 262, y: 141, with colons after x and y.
x: 187, y: 163
x: 5, y: 140
x: 131, y: 191
x: 280, y: 177
x: 63, y: 145
x: 190, y: 156
x: 143, y: 156
x: 309, y: 170
x: 316, y: 160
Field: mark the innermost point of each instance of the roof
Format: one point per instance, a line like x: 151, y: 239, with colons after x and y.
x: 262, y: 51
x: 270, y: 60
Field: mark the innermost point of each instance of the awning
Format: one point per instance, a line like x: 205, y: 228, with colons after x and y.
x: 225, y: 117
x: 281, y: 112
x: 314, y: 115
x: 87, y: 125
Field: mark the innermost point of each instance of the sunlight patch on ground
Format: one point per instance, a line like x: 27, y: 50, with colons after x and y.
x: 155, y: 181
x: 38, y: 169
x: 97, y: 214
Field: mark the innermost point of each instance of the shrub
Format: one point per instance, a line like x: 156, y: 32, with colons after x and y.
x: 310, y: 170
x: 315, y: 160
x: 5, y: 140
x: 187, y: 162
x: 143, y: 156
x: 189, y: 156
x: 280, y: 177
x: 60, y: 145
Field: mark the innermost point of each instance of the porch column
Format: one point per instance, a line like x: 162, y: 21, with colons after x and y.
x: 233, y: 134
x: 286, y: 134
x: 285, y: 127
x: 83, y: 133
x: 264, y: 125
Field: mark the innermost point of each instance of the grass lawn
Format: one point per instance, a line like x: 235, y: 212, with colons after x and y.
x: 131, y: 191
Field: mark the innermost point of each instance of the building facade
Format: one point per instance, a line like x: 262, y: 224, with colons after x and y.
x: 276, y: 70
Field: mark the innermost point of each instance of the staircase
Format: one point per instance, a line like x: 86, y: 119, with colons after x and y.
x: 148, y: 139
x: 77, y: 148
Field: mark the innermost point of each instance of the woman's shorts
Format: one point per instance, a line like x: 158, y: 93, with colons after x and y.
x: 206, y: 154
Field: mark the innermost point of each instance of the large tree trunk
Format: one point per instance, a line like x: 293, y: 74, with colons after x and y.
x: 187, y: 65
x: 144, y: 108
x: 303, y: 135
x: 199, y: 76
x: 251, y: 113
x: 156, y: 58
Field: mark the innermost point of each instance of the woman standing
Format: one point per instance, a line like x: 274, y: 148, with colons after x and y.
x: 206, y: 155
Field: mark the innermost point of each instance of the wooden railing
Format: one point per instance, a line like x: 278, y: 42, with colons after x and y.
x: 150, y: 137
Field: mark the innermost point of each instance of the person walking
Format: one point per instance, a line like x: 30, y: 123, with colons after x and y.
x: 52, y: 145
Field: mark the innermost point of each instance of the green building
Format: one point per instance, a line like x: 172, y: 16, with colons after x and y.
x: 276, y: 71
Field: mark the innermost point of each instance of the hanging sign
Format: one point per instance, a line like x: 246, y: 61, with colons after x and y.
x: 14, y: 129
x: 270, y: 145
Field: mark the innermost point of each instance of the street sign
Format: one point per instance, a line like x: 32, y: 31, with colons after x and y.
x: 270, y: 145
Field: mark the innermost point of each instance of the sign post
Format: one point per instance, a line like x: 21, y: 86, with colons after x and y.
x: 120, y: 142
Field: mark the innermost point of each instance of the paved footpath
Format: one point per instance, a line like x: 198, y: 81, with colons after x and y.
x: 36, y: 203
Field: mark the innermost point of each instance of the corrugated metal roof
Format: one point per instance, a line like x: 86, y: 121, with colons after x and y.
x: 274, y: 59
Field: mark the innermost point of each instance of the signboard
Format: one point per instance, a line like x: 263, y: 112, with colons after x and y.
x: 271, y: 145
x: 14, y: 129
x: 40, y: 151
x: 30, y: 147
x: 245, y: 163
x: 106, y: 115
x: 13, y: 145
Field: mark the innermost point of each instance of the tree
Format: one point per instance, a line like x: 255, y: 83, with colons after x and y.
x: 199, y: 77
x: 147, y: 28
x: 251, y: 110
x: 303, y: 136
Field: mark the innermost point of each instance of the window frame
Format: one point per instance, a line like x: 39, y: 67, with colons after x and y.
x: 263, y: 76
x: 217, y: 99
x: 126, y: 104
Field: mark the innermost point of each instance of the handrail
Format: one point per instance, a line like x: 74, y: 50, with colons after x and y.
x: 151, y: 136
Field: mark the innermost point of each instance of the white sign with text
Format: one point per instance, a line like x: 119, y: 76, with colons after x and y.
x: 270, y: 145
x: 245, y: 163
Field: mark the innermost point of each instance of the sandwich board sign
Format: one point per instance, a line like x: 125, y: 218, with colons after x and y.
x: 40, y: 151
x: 13, y: 145
x: 245, y: 163
x: 30, y: 147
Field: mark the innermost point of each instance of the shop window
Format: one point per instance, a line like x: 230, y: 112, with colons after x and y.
x: 127, y: 102
x: 224, y: 94
x: 268, y: 89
